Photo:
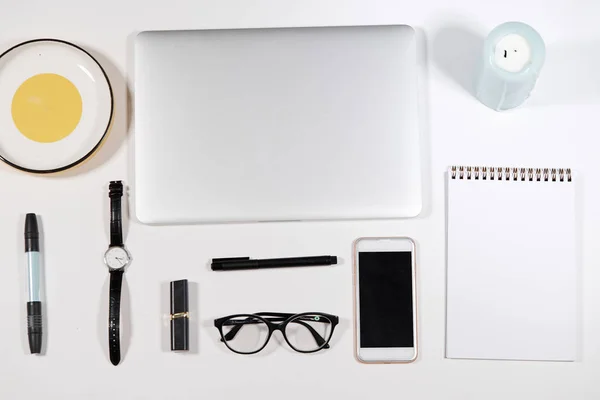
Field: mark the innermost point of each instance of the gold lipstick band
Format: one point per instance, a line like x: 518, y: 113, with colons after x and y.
x: 180, y: 315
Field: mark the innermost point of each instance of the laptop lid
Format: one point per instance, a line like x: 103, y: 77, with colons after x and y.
x: 276, y: 124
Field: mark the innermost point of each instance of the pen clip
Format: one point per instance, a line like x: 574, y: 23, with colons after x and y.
x: 226, y: 260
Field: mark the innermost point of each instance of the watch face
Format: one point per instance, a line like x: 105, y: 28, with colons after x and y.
x: 116, y: 258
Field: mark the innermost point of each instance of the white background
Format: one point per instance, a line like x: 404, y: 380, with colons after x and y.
x: 559, y: 127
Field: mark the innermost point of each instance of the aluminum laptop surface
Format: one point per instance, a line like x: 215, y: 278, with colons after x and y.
x: 276, y: 124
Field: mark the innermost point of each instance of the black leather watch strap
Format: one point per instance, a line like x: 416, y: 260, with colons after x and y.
x: 114, y: 316
x: 115, y: 192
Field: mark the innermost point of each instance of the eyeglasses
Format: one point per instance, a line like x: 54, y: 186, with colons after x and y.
x: 250, y: 333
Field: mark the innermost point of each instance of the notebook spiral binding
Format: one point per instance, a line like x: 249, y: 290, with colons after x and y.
x: 511, y: 174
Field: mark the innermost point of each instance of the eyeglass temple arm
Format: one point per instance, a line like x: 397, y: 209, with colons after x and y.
x: 318, y: 338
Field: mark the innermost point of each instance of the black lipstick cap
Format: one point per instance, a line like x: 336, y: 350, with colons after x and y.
x: 179, y: 315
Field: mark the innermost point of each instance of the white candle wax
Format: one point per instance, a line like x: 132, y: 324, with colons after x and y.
x: 512, y: 53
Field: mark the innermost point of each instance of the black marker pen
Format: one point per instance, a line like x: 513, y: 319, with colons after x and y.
x: 34, y: 305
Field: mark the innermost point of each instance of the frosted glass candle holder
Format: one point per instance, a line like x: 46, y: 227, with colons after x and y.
x: 513, y: 56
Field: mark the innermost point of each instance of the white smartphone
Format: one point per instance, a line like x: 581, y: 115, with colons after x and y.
x: 385, y: 301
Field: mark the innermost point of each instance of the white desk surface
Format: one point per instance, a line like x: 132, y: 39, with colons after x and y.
x: 559, y: 127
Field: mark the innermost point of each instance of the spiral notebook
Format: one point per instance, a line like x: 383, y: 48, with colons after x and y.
x: 512, y: 290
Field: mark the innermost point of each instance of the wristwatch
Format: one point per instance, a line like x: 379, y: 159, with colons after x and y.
x: 116, y: 258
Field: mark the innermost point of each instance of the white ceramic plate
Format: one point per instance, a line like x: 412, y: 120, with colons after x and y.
x: 56, y: 105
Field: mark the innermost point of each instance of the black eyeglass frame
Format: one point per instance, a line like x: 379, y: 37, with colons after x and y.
x: 270, y: 319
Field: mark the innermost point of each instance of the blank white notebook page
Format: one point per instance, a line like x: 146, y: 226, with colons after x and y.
x: 512, y: 266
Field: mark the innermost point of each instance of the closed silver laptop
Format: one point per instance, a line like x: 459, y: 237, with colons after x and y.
x: 276, y: 124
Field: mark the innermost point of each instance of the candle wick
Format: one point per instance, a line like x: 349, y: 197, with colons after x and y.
x: 505, y: 53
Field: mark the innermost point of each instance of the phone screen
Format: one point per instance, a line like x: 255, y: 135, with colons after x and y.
x: 386, y: 299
